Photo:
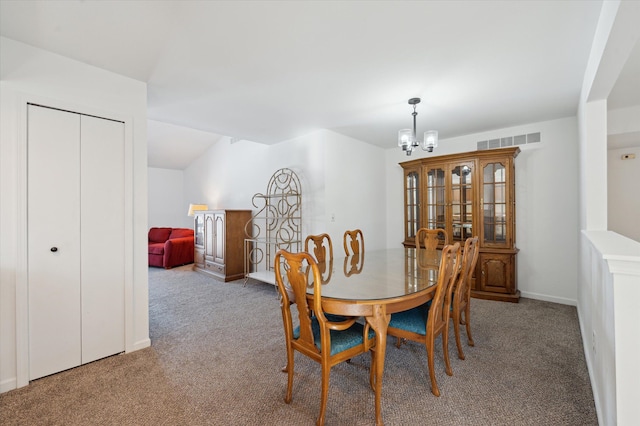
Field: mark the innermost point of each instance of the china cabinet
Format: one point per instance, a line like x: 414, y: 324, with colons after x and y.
x: 219, y: 236
x: 469, y: 194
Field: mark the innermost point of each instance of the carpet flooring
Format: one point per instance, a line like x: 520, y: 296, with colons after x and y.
x: 218, y: 348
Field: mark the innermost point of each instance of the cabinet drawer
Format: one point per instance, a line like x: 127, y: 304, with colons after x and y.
x: 215, y: 268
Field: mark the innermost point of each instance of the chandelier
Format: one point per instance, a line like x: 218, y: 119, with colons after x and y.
x: 407, y: 137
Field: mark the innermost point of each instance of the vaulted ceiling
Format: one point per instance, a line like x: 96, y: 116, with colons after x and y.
x: 269, y: 71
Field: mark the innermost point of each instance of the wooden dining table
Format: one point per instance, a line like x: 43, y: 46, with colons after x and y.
x: 376, y: 284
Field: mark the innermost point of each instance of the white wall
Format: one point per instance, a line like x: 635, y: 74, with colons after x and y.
x: 227, y: 175
x: 339, y: 176
x: 623, y: 178
x: 167, y: 205
x: 609, y: 264
x: 28, y: 74
x: 546, y: 204
x: 623, y: 175
x: 356, y: 192
x: 361, y: 186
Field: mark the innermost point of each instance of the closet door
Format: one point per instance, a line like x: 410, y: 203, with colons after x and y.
x: 102, y: 237
x: 75, y: 239
x: 53, y: 211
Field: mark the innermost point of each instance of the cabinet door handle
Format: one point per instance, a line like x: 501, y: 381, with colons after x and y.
x: 54, y: 249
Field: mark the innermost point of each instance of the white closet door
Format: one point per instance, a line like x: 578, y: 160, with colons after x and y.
x: 102, y: 237
x: 75, y: 239
x: 53, y: 150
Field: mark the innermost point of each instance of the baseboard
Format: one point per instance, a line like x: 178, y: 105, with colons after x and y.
x: 7, y: 385
x: 546, y: 298
x: 141, y: 344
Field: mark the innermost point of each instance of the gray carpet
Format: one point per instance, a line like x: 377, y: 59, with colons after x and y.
x: 217, y: 350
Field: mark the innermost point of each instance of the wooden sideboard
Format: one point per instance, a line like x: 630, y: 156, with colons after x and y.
x: 219, y: 242
x: 469, y: 194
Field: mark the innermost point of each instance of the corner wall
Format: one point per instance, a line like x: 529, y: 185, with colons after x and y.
x: 342, y: 179
x: 609, y: 267
x: 167, y: 205
x: 623, y: 195
x: 546, y: 204
x: 28, y: 74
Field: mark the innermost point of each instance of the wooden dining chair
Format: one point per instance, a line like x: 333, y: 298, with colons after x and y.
x: 462, y: 293
x: 321, y: 247
x: 430, y: 238
x: 424, y: 323
x: 320, y: 244
x: 326, y: 342
x: 353, y: 242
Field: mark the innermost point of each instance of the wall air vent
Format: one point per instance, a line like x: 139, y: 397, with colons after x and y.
x: 509, y: 141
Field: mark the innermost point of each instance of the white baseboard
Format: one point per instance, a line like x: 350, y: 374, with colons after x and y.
x: 8, y: 384
x: 141, y: 344
x: 546, y: 298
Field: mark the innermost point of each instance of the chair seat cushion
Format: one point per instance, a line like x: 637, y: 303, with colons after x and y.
x: 340, y: 340
x: 413, y: 320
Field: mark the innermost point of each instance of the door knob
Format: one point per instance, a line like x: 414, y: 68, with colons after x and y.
x: 54, y: 249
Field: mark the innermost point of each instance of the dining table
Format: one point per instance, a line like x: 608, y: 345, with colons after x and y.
x: 374, y: 285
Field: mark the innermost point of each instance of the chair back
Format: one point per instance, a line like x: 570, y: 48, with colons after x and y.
x: 430, y: 238
x: 448, y: 272
x: 353, y: 242
x: 293, y: 291
x: 319, y: 245
x: 322, y: 249
x: 462, y: 290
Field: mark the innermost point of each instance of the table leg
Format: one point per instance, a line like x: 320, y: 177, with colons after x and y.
x: 379, y: 321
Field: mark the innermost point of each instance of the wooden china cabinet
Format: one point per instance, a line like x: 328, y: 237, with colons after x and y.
x: 219, y: 239
x: 469, y: 194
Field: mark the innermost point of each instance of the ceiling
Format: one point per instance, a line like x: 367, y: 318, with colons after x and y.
x: 269, y: 71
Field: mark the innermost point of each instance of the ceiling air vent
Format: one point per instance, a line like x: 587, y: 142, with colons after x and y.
x: 509, y: 141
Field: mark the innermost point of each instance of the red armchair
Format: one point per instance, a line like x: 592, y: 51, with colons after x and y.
x: 169, y: 247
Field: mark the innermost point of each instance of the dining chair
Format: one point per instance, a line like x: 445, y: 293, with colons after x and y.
x: 426, y: 322
x: 326, y: 342
x: 430, y: 238
x: 462, y: 292
x: 353, y: 242
x: 322, y: 249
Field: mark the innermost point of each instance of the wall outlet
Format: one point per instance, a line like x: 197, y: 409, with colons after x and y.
x: 593, y: 341
x: 333, y: 217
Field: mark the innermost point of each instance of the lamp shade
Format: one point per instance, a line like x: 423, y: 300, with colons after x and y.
x: 194, y: 207
x: 405, y: 138
x: 430, y: 140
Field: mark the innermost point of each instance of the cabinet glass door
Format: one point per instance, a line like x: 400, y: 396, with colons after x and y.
x: 435, y: 199
x: 495, y: 204
x: 198, y: 229
x: 412, y: 205
x: 462, y: 202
